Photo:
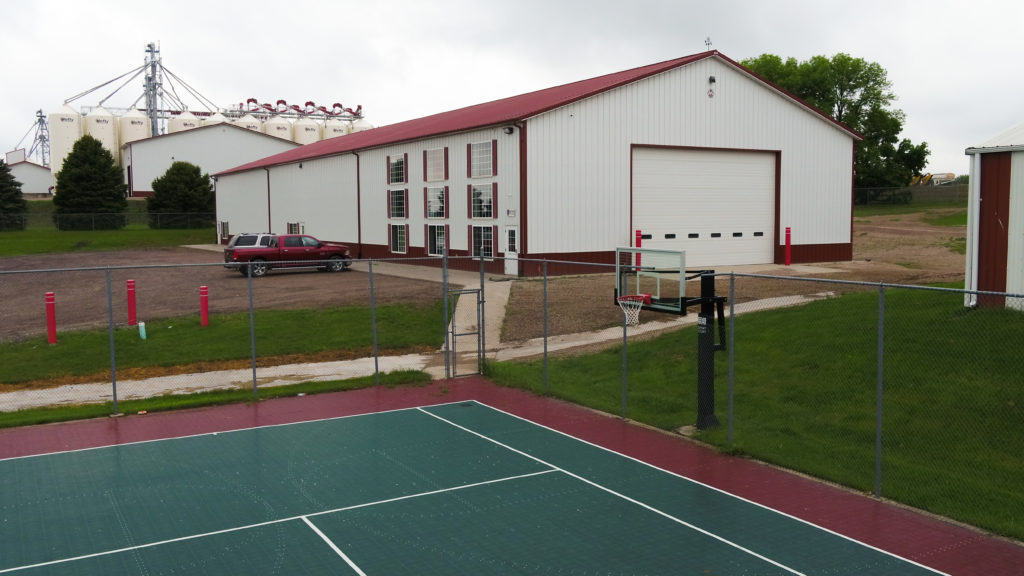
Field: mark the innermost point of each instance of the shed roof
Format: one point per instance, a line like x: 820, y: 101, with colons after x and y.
x: 1006, y: 141
x: 497, y: 112
x: 206, y: 128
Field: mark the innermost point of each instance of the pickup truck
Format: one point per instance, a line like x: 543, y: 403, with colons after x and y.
x: 287, y: 251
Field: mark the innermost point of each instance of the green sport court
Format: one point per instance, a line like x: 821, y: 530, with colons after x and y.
x: 452, y: 488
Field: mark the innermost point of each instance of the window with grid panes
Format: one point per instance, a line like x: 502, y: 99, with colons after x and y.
x: 481, y: 160
x: 396, y: 170
x: 483, y: 241
x: 435, y: 161
x: 397, y: 204
x: 435, y: 240
x: 482, y: 202
x: 398, y: 238
x: 435, y: 202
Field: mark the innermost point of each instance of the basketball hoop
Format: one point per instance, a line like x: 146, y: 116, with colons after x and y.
x: 631, y: 305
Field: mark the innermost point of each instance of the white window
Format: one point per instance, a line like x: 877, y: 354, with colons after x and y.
x: 398, y: 238
x: 512, y: 244
x: 482, y: 201
x: 396, y: 170
x: 435, y: 162
x: 435, y: 240
x: 295, y: 228
x: 481, y: 160
x: 436, y: 202
x: 398, y: 204
x: 483, y: 241
x: 224, y: 229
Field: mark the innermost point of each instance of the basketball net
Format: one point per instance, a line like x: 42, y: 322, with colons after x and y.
x: 631, y: 305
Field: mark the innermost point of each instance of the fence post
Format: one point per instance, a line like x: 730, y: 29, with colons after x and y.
x: 110, y: 323
x: 732, y: 348
x: 545, y: 306
x: 482, y: 338
x: 373, y: 328
x: 625, y: 362
x: 879, y: 390
x: 252, y: 334
x: 444, y: 318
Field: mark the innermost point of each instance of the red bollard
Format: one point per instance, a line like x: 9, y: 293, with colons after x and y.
x: 51, y: 318
x: 131, y: 303
x: 204, y: 306
x: 789, y: 245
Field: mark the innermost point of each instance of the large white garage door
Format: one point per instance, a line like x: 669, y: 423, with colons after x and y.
x: 718, y: 206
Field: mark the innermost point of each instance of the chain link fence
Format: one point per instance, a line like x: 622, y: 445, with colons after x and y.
x: 108, y: 221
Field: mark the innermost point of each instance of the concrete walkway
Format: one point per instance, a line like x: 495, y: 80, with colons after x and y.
x: 463, y: 361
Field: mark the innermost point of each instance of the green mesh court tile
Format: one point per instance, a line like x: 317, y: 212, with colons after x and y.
x: 544, y: 524
x: 798, y: 545
x: 279, y: 549
x: 72, y: 504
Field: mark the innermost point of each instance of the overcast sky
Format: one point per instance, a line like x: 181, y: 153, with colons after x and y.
x: 956, y: 67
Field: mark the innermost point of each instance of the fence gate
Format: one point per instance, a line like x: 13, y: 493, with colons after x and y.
x: 461, y: 345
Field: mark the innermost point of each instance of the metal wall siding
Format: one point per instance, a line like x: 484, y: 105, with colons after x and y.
x: 373, y: 185
x: 242, y: 201
x: 579, y: 155
x: 321, y: 195
x: 1015, y: 252
x: 213, y: 150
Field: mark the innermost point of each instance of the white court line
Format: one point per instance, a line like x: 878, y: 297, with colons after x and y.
x: 270, y: 522
x: 713, y: 488
x: 333, y: 547
x: 624, y: 497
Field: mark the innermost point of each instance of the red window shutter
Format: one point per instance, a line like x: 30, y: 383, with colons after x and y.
x: 469, y: 160
x: 469, y: 200
x: 390, y: 249
x: 494, y: 241
x: 446, y: 203
x: 494, y: 157
x: 469, y: 246
x: 405, y: 200
x: 387, y: 211
x: 426, y: 238
x: 424, y: 201
x: 405, y: 167
x: 445, y: 162
x: 387, y: 168
x: 424, y: 165
x: 407, y: 242
x: 446, y: 238
x: 494, y: 200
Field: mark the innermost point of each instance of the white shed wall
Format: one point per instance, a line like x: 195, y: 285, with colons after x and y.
x: 213, y: 149
x: 321, y: 195
x: 242, y: 201
x: 579, y: 155
x: 374, y: 187
x: 1015, y: 250
x: 35, y: 179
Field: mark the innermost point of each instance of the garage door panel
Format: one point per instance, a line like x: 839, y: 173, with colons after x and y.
x: 718, y: 206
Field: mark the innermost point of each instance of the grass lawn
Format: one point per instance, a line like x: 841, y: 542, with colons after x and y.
x: 805, y: 397
x: 182, y: 341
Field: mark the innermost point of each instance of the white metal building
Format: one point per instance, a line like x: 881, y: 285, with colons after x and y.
x: 697, y: 153
x: 213, y: 148
x: 35, y: 180
x: 995, y: 219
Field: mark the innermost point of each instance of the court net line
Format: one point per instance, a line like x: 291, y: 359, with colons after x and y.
x: 620, y: 495
x: 303, y: 517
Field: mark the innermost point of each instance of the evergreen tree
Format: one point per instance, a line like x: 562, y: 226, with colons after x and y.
x: 182, y: 198
x: 12, y: 204
x: 90, y: 190
x: 858, y: 94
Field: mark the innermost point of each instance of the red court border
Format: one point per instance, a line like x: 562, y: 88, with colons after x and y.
x: 929, y: 541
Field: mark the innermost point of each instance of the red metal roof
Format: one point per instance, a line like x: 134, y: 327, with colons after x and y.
x: 504, y: 111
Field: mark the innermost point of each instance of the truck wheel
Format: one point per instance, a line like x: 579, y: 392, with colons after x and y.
x: 335, y: 264
x: 259, y: 268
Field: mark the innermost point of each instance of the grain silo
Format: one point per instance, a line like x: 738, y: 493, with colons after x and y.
x: 65, y: 129
x: 306, y: 131
x: 184, y: 121
x: 278, y: 126
x: 215, y: 118
x: 360, y: 125
x: 101, y: 125
x: 250, y: 122
x: 335, y: 127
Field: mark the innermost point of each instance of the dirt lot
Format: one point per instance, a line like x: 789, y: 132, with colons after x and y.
x: 896, y: 249
x: 172, y: 288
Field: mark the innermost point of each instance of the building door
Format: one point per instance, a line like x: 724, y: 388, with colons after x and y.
x: 512, y: 250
